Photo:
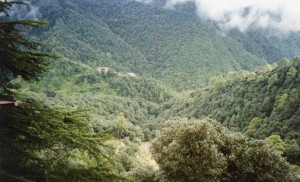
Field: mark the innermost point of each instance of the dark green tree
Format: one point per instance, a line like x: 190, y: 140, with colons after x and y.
x: 39, y: 143
x: 19, y: 56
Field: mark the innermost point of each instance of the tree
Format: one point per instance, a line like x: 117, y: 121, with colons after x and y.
x: 281, y: 100
x: 291, y: 73
x: 272, y: 80
x: 192, y: 150
x: 38, y: 143
x: 276, y: 143
x: 254, y: 124
x: 19, y: 56
x: 122, y: 125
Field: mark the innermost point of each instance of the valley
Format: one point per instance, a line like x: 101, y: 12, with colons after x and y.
x: 130, y: 68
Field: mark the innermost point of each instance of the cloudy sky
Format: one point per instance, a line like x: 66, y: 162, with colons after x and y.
x: 277, y: 15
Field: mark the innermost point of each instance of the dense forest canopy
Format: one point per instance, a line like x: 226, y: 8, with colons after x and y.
x: 113, y: 90
x: 150, y: 40
x: 191, y: 150
x: 259, y: 104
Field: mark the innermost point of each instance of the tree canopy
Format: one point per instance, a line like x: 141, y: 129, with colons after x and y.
x: 193, y: 150
x: 122, y: 65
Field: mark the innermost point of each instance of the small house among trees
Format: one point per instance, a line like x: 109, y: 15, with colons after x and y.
x: 103, y: 70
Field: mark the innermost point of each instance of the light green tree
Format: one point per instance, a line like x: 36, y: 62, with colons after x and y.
x: 291, y: 73
x: 281, y: 100
x: 254, y: 124
x: 272, y: 80
x: 122, y: 125
x: 276, y: 143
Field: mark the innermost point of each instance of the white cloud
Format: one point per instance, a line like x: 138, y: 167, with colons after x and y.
x: 280, y: 15
x: 144, y: 1
x: 171, y: 3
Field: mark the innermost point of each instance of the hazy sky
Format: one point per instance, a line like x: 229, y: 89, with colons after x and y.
x: 277, y: 15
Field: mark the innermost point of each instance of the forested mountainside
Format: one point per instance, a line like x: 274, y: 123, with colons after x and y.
x: 150, y: 40
x: 116, y: 83
x: 105, y: 96
x: 259, y: 104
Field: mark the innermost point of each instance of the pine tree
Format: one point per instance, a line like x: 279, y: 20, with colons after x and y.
x: 19, y: 56
x: 39, y: 143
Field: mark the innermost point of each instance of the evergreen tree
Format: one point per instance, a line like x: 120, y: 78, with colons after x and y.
x: 19, y: 56
x: 39, y: 143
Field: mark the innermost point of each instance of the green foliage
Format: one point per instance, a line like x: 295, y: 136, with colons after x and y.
x: 18, y: 55
x: 36, y: 143
x: 144, y: 174
x: 123, y: 36
x: 41, y: 143
x: 261, y: 104
x: 191, y: 150
x: 276, y: 143
x: 122, y: 125
x: 292, y: 73
x: 254, y: 124
x: 296, y: 169
x: 281, y: 100
x: 129, y: 156
x: 273, y: 79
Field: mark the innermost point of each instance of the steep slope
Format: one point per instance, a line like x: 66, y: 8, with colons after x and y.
x: 177, y: 48
x: 268, y: 46
x: 177, y: 39
x: 149, y: 52
x: 178, y: 43
x: 146, y: 39
x: 79, y: 35
x: 86, y: 46
x: 173, y: 45
x: 259, y: 104
x: 103, y: 96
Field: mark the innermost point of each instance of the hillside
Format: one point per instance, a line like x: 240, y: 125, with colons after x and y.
x: 153, y: 41
x: 259, y: 104
x: 132, y: 90
x: 168, y: 49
